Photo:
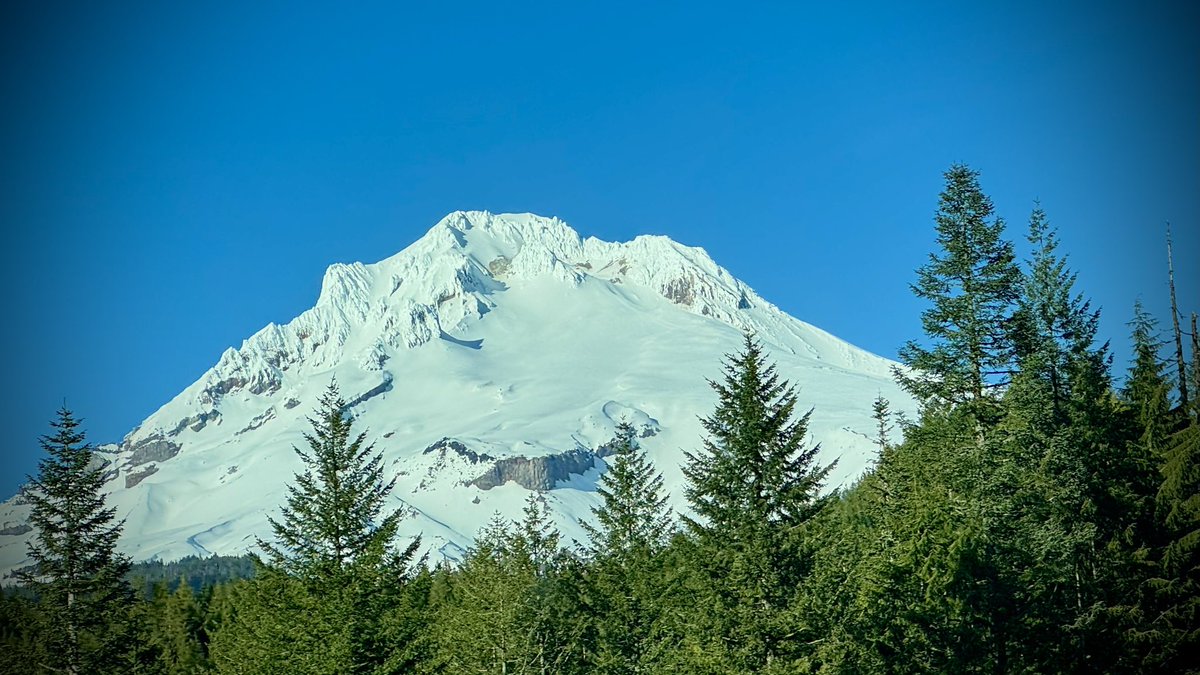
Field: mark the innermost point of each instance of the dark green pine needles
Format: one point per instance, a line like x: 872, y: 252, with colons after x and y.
x: 332, y: 517
x: 972, y: 284
x: 77, y: 571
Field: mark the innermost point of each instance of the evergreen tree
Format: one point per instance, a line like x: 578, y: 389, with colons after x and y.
x: 322, y: 602
x: 753, y: 487
x: 1195, y: 370
x: 503, y: 611
x: 633, y: 517
x: 333, y: 514
x: 173, y: 629
x: 77, y: 573
x: 536, y: 543
x: 972, y: 285
x: 1146, y: 388
x: 881, y: 412
x: 480, y: 617
x: 1056, y: 325
x: 1174, y: 616
x: 625, y: 581
x: 22, y: 634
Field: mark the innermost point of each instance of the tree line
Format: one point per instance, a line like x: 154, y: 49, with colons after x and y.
x: 1036, y: 517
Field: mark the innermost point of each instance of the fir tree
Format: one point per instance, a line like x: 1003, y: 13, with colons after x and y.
x: 753, y: 487
x: 633, y: 516
x: 1174, y: 624
x: 1146, y: 388
x: 503, y: 611
x: 77, y: 573
x: 972, y: 285
x: 536, y: 543
x: 625, y: 580
x: 333, y: 514
x: 1056, y: 326
x: 323, y: 600
x: 753, y: 468
x: 173, y: 629
x: 22, y: 634
x: 881, y: 412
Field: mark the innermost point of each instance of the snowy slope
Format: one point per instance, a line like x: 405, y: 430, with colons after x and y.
x: 495, y: 348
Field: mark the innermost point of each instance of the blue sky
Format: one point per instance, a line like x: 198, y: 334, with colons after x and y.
x: 177, y: 175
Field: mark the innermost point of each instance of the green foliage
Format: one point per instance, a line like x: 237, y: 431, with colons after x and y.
x: 332, y: 517
x: 1174, y: 630
x: 197, y: 572
x: 331, y: 597
x: 509, y: 608
x: 624, y: 580
x: 1032, y: 520
x: 633, y: 518
x: 23, y: 641
x: 172, y: 629
x: 77, y: 574
x: 753, y: 488
x: 1146, y: 388
x: 971, y: 284
x: 881, y: 412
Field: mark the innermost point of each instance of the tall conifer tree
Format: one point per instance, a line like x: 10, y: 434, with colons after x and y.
x: 77, y: 572
x: 322, y: 601
x: 753, y: 487
x: 633, y: 516
x: 625, y: 584
x: 972, y: 284
x: 334, y: 513
x: 1146, y: 389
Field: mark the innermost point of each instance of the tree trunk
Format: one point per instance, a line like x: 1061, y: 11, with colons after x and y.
x: 1179, y: 362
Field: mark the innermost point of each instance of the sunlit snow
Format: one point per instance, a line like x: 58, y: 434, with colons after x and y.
x: 506, y: 333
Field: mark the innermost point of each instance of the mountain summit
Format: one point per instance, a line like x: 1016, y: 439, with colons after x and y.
x: 493, y: 356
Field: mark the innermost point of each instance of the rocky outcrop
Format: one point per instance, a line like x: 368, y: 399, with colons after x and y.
x: 135, y: 478
x: 536, y: 473
x: 449, y: 445
x: 195, y: 422
x: 680, y: 291
x: 14, y: 530
x: 151, y: 449
x: 258, y: 421
x: 378, y: 389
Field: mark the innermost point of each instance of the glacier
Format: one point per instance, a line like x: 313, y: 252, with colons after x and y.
x: 493, y: 356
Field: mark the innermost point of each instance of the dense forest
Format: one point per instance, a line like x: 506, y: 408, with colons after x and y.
x: 1040, y: 515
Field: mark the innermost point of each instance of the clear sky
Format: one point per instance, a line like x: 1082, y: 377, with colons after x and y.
x: 176, y: 175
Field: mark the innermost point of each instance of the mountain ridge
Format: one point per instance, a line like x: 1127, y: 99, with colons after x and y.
x: 495, y: 316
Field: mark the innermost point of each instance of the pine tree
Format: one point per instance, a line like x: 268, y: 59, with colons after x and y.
x: 503, y: 611
x: 972, y: 286
x: 633, y: 517
x: 77, y: 573
x: 753, y: 487
x: 173, y: 629
x: 1146, y: 389
x: 1056, y: 326
x: 322, y: 601
x: 479, y: 621
x: 1175, y: 613
x: 22, y: 634
x: 536, y: 543
x: 332, y: 519
x: 881, y: 412
x: 625, y: 582
x: 753, y: 469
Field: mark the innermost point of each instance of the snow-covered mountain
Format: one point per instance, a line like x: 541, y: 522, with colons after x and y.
x: 493, y: 356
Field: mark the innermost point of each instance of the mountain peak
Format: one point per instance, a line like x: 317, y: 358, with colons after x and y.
x: 495, y: 348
